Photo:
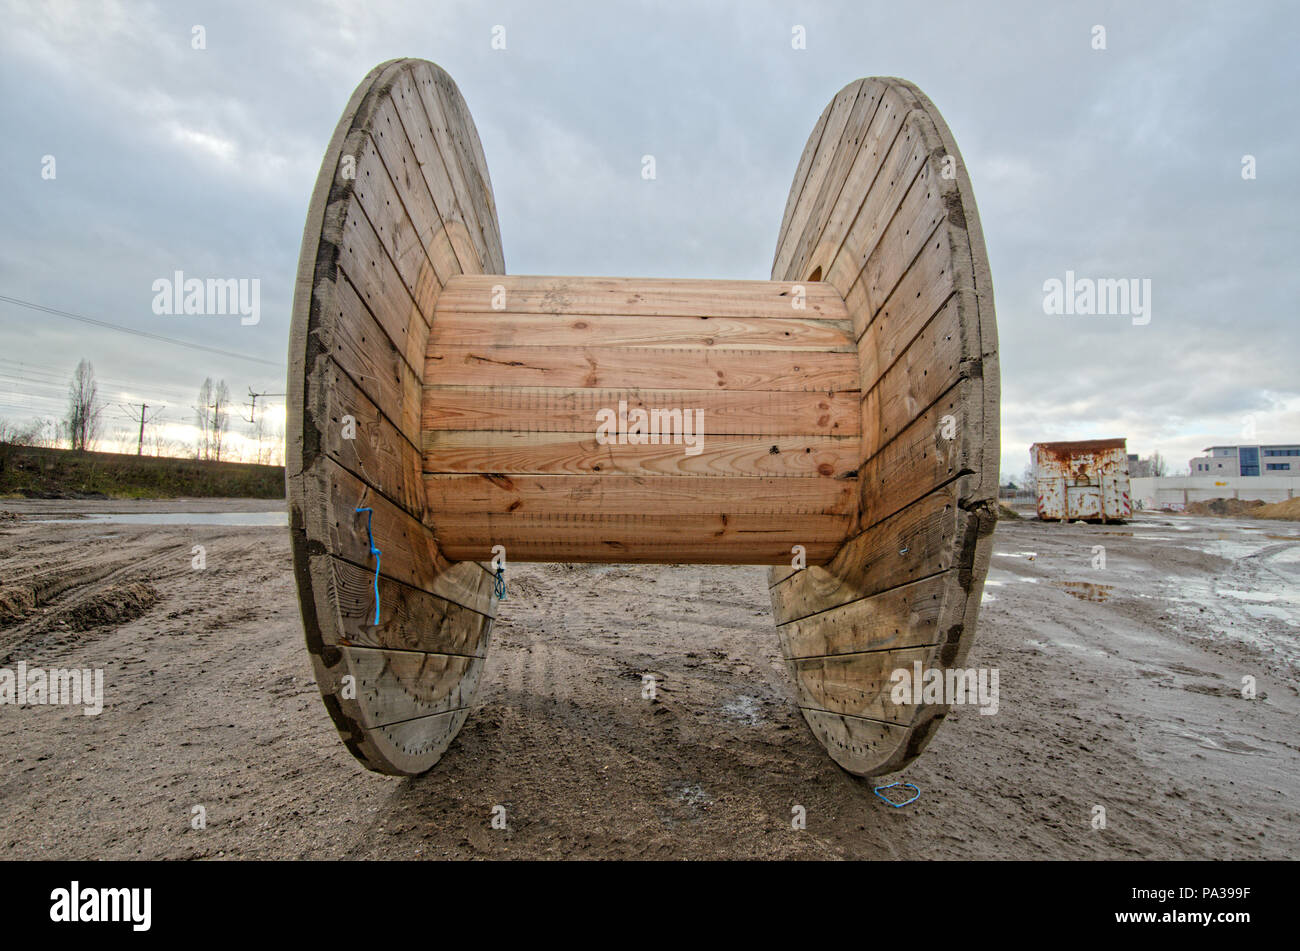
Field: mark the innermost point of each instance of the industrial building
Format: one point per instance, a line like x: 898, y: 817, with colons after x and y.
x: 1247, y: 461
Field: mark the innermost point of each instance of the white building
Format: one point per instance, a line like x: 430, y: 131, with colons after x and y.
x: 1247, y: 461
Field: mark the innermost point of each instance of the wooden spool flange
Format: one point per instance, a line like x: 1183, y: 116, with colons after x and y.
x: 849, y: 414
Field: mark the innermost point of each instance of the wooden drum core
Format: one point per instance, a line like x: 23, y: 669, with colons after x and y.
x: 601, y: 419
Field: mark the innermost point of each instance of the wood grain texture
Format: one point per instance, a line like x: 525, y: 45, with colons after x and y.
x: 901, y: 241
x: 568, y: 410
x: 643, y: 297
x: 398, y: 210
x: 520, y: 369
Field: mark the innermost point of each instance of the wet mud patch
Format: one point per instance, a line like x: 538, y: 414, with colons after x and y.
x: 1087, y: 590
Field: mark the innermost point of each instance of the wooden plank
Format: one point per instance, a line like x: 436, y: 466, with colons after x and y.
x: 363, y: 350
x: 449, y: 117
x: 857, y: 684
x: 410, y: 554
x: 778, y: 573
x: 841, y: 108
x: 743, y: 539
x: 640, y: 297
x: 726, y: 412
x: 579, y: 453
x: 364, y: 261
x: 393, y: 686
x: 411, y: 619
x: 613, y: 368
x: 924, y: 539
x: 389, y: 137
x: 919, y: 614
x: 858, y: 744
x: 944, y: 264
x: 909, y: 374
x: 411, y: 746
x: 426, y: 144
x: 857, y: 134
x: 897, y: 154
x: 760, y: 332
x: 375, y: 451
x: 382, y: 206
x: 870, y: 161
x: 920, y: 213
x: 939, y: 445
x: 801, y: 176
x: 659, y: 496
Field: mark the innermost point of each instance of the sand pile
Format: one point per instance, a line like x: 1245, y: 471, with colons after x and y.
x: 1288, y: 510
x: 1228, y: 507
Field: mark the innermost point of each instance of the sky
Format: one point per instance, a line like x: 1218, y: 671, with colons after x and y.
x: 1122, y: 162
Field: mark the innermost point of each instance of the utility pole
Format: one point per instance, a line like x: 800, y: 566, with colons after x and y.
x: 252, y: 404
x: 251, y: 418
x: 143, y: 418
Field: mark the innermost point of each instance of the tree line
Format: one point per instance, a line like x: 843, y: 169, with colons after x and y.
x: 81, y: 428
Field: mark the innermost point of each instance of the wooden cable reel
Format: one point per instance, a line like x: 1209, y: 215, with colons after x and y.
x: 849, y: 406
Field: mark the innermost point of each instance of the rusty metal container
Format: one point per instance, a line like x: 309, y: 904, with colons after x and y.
x: 1086, y: 480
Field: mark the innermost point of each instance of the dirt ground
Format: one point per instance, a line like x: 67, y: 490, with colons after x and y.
x: 1120, y: 687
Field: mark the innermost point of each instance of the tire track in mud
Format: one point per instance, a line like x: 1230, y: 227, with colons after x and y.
x: 51, y: 596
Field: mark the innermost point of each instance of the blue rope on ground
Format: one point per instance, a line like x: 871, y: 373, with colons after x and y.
x: 499, y: 584
x: 897, y: 805
x: 374, y: 551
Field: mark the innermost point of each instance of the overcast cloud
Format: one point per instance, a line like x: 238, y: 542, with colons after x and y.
x: 1117, y: 163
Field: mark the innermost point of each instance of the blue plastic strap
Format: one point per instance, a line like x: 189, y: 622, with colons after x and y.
x: 374, y: 551
x: 898, y: 805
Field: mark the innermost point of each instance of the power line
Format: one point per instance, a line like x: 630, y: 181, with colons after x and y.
x: 143, y: 418
x: 138, y: 333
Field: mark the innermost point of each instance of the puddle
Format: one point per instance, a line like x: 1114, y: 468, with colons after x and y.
x: 1260, y: 596
x: 277, y: 519
x: 1263, y: 605
x: 1052, y: 648
x: 1086, y: 590
x: 743, y: 708
x: 1221, y: 743
x: 690, y: 794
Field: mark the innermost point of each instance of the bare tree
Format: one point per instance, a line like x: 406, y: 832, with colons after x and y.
x: 39, y: 432
x: 203, y: 419
x: 220, y: 418
x: 82, y: 421
x: 1157, y: 465
x: 161, y: 444
x: 1028, y: 481
x: 275, y: 455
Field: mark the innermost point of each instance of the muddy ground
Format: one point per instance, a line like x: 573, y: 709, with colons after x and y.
x: 1120, y: 687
